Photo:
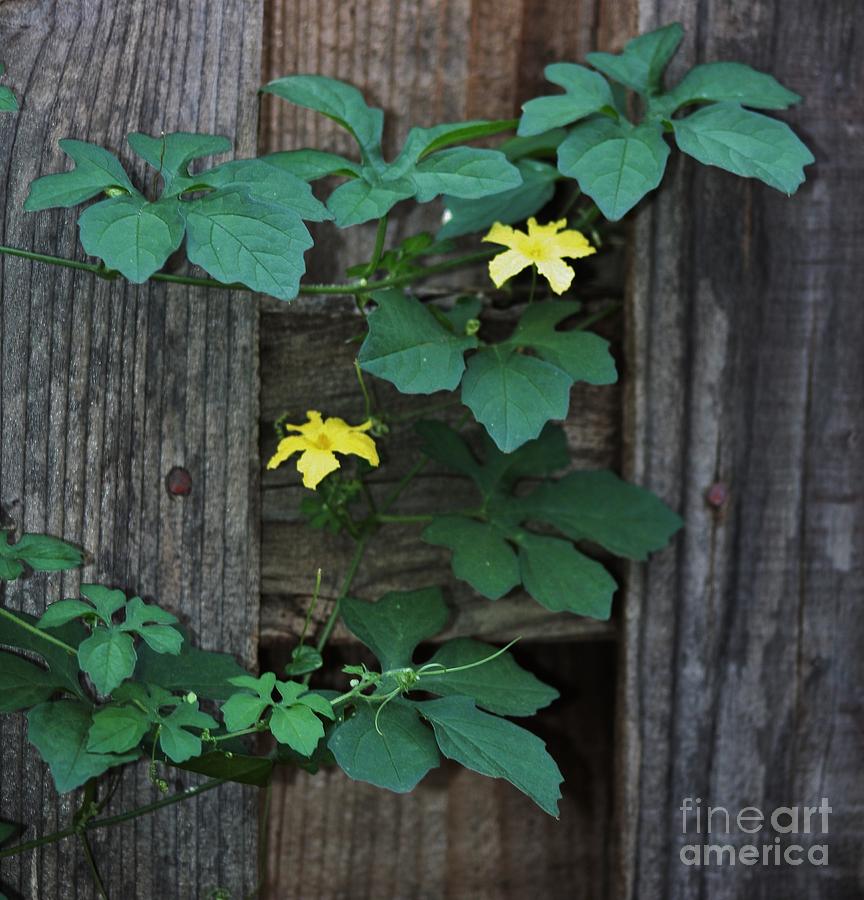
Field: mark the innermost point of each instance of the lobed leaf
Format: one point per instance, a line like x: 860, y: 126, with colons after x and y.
x: 108, y: 657
x: 41, y: 552
x: 464, y: 172
x: 171, y: 154
x: 361, y: 201
x: 586, y: 93
x: 730, y: 81
x: 641, y: 64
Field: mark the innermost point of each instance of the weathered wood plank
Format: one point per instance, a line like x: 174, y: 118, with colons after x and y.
x: 105, y: 387
x: 742, y: 670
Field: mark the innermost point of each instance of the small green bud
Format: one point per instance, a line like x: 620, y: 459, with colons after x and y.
x: 472, y: 326
x: 191, y: 697
x: 115, y: 192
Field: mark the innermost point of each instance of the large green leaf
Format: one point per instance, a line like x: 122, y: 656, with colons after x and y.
x: 409, y: 347
x: 598, y: 506
x: 312, y: 164
x: 586, y: 93
x: 515, y: 205
x: 745, y: 143
x: 500, y: 685
x: 108, y: 657
x: 131, y: 235
x: 96, y: 170
x: 237, y: 239
x: 730, y: 81
x: 206, y: 673
x: 582, y: 355
x: 396, y: 624
x: 117, y: 728
x: 23, y: 683
x: 171, y: 153
x: 59, y: 731
x: 395, y: 756
x: 562, y: 579
x: 464, y: 172
x: 335, y: 99
x: 361, y: 201
x: 481, y: 554
x: 41, y: 552
x: 615, y: 163
x: 640, y: 66
x: 495, y: 747
x: 514, y: 395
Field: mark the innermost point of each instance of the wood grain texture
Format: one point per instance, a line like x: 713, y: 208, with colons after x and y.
x: 104, y: 387
x: 742, y: 666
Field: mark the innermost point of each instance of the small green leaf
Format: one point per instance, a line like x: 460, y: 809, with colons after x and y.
x: 116, y: 729
x: 598, y: 506
x: 615, y: 164
x: 153, y: 625
x: 23, y: 683
x: 171, y: 153
x: 500, y: 685
x: 108, y: 657
x: 262, y: 686
x: 339, y: 101
x: 423, y: 141
x: 237, y: 239
x: 95, y: 171
x: 64, y: 611
x: 586, y: 93
x: 312, y: 164
x: 744, y: 143
x: 495, y: 747
x: 514, y: 395
x: 206, y: 673
x: 481, y: 554
x: 640, y: 66
x: 464, y: 172
x: 396, y: 756
x: 561, y: 578
x: 243, y: 710
x: 131, y: 235
x: 730, y: 81
x: 319, y: 703
x: 237, y: 767
x: 395, y: 625
x: 304, y: 659
x: 106, y: 601
x: 41, y: 552
x: 515, y: 205
x: 360, y: 201
x: 407, y: 346
x: 59, y: 731
x: 177, y: 743
x: 582, y: 355
x: 298, y: 727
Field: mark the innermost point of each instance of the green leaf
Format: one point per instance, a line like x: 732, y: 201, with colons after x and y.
x: 153, y: 625
x: 514, y: 395
x: 463, y: 310
x: 255, y: 770
x: 586, y: 93
x: 515, y: 205
x: 406, y: 345
x: 64, y: 611
x: 131, y: 235
x: 395, y: 757
x: 500, y: 685
x: 243, y: 710
x: 744, y: 143
x: 41, y: 552
x: 495, y: 747
x: 464, y: 172
x: 23, y: 683
x: 96, y: 170
x: 171, y: 153
x: 598, y: 506
x: 304, y: 659
x: 615, y: 163
x: 8, y: 103
x: 640, y: 66
x: 360, y: 201
x: 481, y: 554
x: 730, y: 81
x: 339, y: 101
x: 241, y: 240
x: 106, y: 601
x: 177, y: 743
x: 116, y: 729
x: 582, y: 355
x: 108, y: 657
x: 206, y: 673
x: 262, y: 180
x: 59, y: 731
x: 312, y: 164
x: 298, y: 727
x: 561, y: 578
x: 396, y: 624
x: 319, y: 703
x: 423, y: 141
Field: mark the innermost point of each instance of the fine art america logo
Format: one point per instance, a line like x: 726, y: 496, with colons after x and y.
x: 753, y: 837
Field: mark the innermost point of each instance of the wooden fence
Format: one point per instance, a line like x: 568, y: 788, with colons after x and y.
x: 733, y: 670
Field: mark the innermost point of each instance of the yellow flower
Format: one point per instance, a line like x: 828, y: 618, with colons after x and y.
x: 544, y: 246
x: 319, y: 442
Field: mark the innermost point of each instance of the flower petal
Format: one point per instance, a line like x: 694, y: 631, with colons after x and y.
x: 545, y: 231
x: 359, y: 445
x: 315, y: 465
x: 507, y: 264
x: 287, y: 446
x: 573, y: 244
x: 312, y: 425
x: 557, y: 273
x: 501, y: 234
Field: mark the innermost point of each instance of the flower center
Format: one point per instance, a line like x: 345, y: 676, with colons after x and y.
x: 323, y: 442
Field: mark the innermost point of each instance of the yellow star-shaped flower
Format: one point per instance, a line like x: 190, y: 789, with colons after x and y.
x: 544, y: 246
x: 319, y: 441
